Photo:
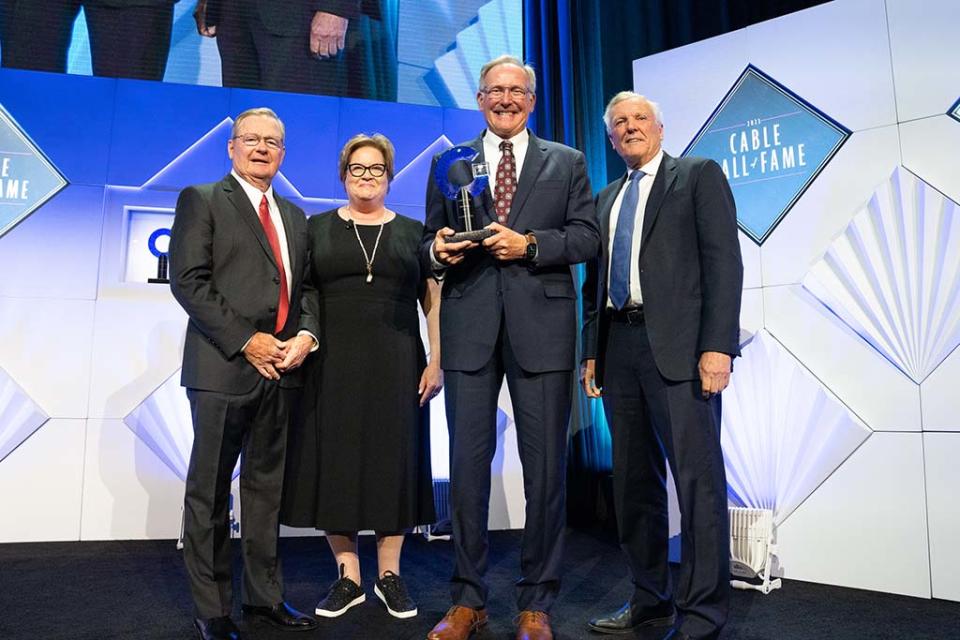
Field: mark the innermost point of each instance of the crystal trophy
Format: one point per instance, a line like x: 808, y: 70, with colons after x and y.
x: 459, y: 180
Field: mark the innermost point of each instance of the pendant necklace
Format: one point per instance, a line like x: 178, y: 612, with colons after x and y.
x: 368, y: 258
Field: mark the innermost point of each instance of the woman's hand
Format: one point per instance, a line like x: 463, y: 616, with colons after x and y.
x: 430, y: 383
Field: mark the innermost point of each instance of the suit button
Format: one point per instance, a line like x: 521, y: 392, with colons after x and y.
x: 272, y: 309
x: 276, y: 279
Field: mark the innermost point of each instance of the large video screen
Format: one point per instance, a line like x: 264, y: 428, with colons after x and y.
x: 413, y: 51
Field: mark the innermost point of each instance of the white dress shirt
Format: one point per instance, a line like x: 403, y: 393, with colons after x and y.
x: 492, y: 153
x: 255, y: 196
x: 643, y: 194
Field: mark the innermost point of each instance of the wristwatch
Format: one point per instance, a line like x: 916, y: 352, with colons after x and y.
x: 531, y: 252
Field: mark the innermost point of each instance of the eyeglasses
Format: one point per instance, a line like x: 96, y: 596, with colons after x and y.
x: 376, y: 170
x: 253, y: 140
x: 498, y: 92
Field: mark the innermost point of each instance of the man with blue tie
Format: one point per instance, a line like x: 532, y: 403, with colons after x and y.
x: 661, y: 326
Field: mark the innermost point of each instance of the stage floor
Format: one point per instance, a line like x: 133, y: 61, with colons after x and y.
x: 114, y: 590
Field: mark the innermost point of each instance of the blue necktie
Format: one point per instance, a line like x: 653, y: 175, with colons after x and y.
x: 623, y: 242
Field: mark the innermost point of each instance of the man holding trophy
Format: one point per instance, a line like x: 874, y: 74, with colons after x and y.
x: 508, y: 310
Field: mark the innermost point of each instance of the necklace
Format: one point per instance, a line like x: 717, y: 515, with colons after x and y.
x: 368, y: 258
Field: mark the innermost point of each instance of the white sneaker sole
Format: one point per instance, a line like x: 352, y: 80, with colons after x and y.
x: 395, y: 614
x: 326, y: 613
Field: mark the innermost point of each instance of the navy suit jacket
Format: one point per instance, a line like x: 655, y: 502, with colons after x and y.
x: 535, y: 302
x: 224, y: 275
x: 691, y: 274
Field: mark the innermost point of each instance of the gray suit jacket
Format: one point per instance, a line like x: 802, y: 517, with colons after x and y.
x: 223, y: 273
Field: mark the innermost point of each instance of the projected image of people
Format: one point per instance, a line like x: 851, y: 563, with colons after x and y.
x: 333, y: 47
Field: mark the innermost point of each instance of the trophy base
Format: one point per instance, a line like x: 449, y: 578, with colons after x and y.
x: 470, y: 236
x: 158, y: 280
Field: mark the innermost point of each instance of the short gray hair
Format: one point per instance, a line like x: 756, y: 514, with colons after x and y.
x: 623, y: 96
x: 259, y: 111
x: 515, y: 61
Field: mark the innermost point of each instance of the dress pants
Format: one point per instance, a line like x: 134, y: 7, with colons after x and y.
x: 224, y: 425
x: 541, y: 404
x: 652, y: 420
x: 131, y: 42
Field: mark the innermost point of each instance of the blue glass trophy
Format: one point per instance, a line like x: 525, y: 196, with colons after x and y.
x: 459, y: 179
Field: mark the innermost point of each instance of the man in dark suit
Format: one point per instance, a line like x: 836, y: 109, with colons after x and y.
x: 128, y: 38
x: 238, y: 261
x: 332, y: 47
x: 661, y: 326
x: 509, y: 310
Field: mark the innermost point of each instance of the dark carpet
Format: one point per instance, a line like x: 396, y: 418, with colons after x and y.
x: 105, y: 590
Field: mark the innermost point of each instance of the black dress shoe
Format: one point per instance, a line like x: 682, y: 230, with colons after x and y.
x: 282, y: 616
x: 217, y: 629
x: 629, y: 618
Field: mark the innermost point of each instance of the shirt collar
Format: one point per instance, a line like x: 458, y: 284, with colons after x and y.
x: 254, y: 193
x: 521, y: 138
x: 651, y: 167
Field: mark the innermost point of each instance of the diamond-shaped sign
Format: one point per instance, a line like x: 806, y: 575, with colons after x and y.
x: 27, y: 177
x: 771, y: 145
x: 955, y: 110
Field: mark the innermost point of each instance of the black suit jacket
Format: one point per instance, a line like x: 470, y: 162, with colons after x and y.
x: 691, y: 274
x: 223, y: 273
x: 537, y: 303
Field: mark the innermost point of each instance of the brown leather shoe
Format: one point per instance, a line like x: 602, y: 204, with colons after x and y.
x: 534, y: 625
x: 459, y: 624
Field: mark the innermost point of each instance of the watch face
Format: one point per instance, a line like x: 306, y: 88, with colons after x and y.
x: 531, y: 250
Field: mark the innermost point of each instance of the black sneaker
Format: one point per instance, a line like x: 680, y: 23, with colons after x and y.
x: 343, y: 594
x: 393, y: 593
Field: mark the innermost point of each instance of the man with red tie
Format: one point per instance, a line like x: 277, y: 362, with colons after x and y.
x: 238, y: 261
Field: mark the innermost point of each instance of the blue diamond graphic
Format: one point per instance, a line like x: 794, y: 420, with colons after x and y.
x: 955, y: 110
x: 27, y: 177
x: 20, y: 417
x: 771, y: 144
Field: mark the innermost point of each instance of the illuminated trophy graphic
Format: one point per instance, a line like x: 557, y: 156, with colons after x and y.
x: 163, y: 260
x: 459, y: 180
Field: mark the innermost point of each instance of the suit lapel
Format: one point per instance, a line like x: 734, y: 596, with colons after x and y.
x: 662, y: 184
x: 237, y: 197
x: 532, y: 164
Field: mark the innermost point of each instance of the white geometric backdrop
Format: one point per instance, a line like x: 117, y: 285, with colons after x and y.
x: 843, y: 414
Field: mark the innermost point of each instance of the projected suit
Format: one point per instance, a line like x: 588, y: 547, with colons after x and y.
x: 128, y: 38
x: 662, y: 348
x: 265, y: 44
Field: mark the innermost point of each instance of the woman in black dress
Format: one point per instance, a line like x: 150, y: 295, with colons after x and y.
x: 359, y: 459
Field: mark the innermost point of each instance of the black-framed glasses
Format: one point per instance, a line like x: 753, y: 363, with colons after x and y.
x: 357, y: 170
x: 498, y: 92
x: 252, y: 140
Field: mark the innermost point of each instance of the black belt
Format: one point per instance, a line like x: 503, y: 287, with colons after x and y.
x: 628, y: 315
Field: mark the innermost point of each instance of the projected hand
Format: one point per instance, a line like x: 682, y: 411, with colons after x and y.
x: 714, y: 372
x: 200, y: 16
x: 327, y: 34
x: 265, y: 352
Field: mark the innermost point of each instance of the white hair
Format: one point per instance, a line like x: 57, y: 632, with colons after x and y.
x: 623, y: 96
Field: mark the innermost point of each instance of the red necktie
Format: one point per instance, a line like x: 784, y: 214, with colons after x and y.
x: 283, y: 305
x: 506, y: 184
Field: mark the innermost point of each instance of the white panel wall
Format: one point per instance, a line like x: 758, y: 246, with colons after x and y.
x: 888, y: 70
